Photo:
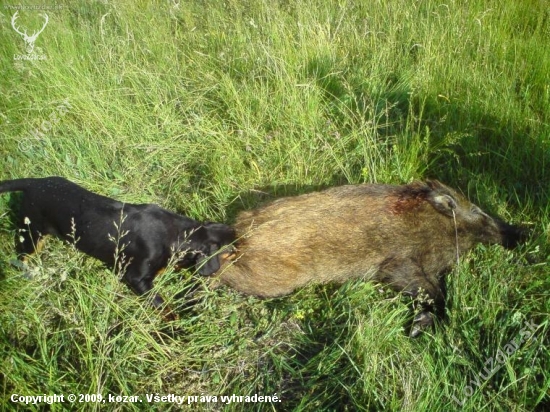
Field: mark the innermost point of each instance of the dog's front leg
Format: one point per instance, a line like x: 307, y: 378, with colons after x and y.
x: 142, y: 285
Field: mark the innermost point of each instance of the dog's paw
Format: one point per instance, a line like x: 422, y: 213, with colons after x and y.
x: 169, y: 315
x: 18, y: 264
x: 27, y: 272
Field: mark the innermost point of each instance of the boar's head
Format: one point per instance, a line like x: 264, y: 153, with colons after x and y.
x: 472, y: 224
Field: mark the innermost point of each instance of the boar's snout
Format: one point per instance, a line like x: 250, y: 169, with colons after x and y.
x: 511, y: 235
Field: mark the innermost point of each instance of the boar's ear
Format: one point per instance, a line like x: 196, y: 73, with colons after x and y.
x: 434, y: 184
x: 443, y: 204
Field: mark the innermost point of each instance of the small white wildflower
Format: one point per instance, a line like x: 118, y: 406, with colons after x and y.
x: 21, y: 239
x: 517, y: 317
x: 27, y: 221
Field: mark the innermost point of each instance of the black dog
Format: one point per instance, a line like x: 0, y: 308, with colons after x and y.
x: 139, y: 240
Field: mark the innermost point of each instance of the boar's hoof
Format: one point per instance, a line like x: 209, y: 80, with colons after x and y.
x: 421, y: 322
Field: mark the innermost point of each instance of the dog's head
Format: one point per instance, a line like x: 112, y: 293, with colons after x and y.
x: 207, y: 246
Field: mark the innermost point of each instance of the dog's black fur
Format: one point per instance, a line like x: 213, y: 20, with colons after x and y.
x: 147, y: 235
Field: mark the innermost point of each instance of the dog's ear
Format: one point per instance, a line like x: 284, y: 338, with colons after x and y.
x: 217, y: 236
x: 219, y: 233
x: 208, y: 262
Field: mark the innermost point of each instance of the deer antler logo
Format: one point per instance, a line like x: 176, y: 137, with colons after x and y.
x: 29, y: 40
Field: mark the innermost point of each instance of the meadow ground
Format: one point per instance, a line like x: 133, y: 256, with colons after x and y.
x: 209, y: 108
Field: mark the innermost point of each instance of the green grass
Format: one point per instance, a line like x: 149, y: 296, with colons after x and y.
x: 209, y: 108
